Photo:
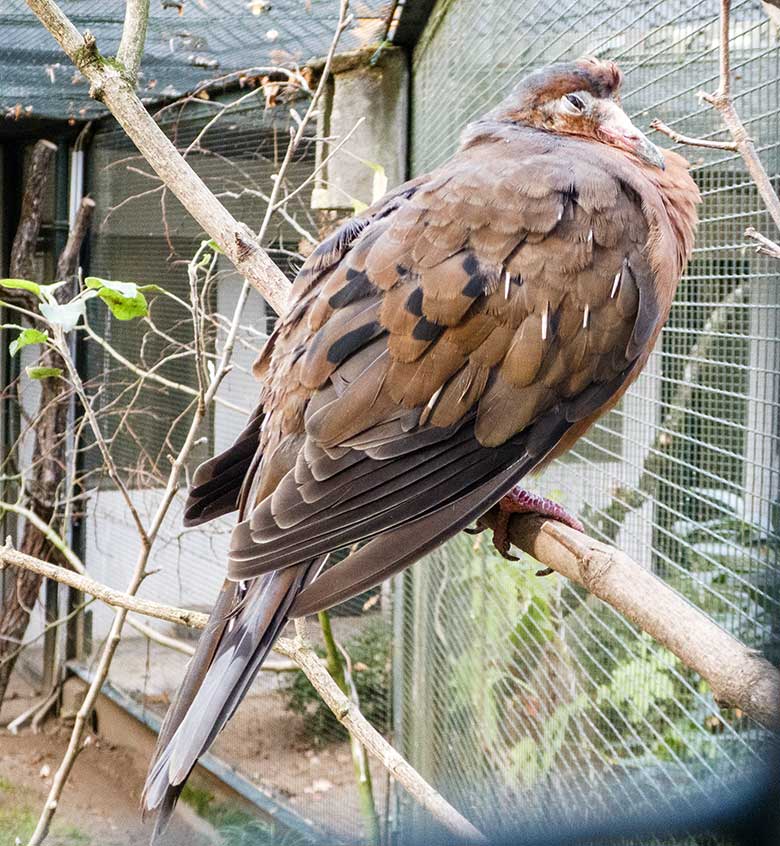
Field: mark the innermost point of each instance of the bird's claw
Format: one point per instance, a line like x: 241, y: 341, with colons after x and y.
x: 520, y: 501
x: 501, y: 540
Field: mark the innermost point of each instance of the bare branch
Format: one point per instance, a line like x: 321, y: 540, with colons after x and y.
x: 722, y: 101
x: 47, y: 531
x: 151, y: 376
x: 299, y: 651
x: 94, y: 425
x: 347, y: 713
x: 67, y: 263
x: 678, y: 138
x: 131, y: 45
x: 742, y: 143
x: 115, y: 598
x: 23, y: 248
x: 765, y: 246
x: 738, y: 676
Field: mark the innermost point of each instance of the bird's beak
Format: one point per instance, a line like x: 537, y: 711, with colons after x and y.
x: 616, y: 129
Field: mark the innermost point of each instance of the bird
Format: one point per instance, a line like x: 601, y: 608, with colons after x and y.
x: 457, y: 335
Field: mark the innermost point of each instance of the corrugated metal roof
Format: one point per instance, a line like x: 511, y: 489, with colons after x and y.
x: 188, y: 42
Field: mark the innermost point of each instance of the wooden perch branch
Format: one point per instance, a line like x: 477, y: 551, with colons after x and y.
x: 738, y: 676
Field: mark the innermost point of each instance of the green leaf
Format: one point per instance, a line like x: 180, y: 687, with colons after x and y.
x: 214, y: 247
x: 124, y: 299
x: 153, y: 289
x: 43, y: 372
x: 21, y: 285
x: 122, y: 307
x: 27, y: 337
x: 66, y: 315
x: 124, y: 289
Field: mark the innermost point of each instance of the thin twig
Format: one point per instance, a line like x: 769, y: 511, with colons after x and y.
x: 62, y: 348
x: 765, y: 246
x: 678, y: 138
x: 742, y: 143
x: 151, y: 376
x: 47, y: 531
x: 110, y: 86
x: 357, y: 725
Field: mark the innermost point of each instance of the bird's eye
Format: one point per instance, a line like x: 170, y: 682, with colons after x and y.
x: 576, y: 101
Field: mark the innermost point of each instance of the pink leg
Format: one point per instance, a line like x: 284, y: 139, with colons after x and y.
x: 520, y: 501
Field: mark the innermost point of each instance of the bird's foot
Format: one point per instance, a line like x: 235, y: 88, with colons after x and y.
x: 521, y: 501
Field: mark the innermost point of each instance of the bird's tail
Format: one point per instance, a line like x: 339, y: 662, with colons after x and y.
x: 246, y: 620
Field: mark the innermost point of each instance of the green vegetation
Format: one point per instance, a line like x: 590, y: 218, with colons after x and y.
x: 556, y: 682
x: 18, y: 816
x: 235, y: 826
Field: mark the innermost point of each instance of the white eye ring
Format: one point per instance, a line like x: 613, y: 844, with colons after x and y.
x: 573, y: 104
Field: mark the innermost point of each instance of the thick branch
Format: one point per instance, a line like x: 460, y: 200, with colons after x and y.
x: 23, y: 249
x: 110, y: 86
x: 19, y: 592
x: 738, y: 676
x: 131, y: 47
x: 68, y: 262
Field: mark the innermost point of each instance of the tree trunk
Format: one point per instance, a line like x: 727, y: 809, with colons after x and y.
x: 43, y: 487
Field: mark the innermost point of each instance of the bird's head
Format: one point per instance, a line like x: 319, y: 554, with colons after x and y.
x: 579, y: 98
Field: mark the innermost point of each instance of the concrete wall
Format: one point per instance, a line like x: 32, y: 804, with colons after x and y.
x: 367, y: 104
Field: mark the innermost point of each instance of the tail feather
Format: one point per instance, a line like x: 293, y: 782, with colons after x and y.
x: 245, y: 622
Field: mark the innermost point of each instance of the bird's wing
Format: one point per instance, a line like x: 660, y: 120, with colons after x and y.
x: 217, y: 483
x: 438, y: 348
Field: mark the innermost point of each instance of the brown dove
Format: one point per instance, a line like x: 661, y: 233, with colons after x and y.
x: 458, y: 334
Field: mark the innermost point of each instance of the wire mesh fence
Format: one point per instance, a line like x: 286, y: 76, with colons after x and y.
x: 523, y: 697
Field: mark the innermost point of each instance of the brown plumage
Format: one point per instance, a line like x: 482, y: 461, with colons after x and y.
x: 465, y: 329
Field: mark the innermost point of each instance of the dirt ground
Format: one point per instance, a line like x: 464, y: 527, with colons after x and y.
x: 100, y: 803
x: 265, y: 742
